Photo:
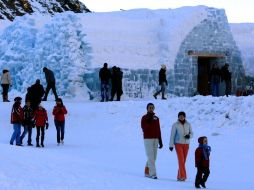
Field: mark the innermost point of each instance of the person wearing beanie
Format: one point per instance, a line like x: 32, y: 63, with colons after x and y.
x: 59, y: 111
x: 162, y: 82
x: 16, y: 119
x: 202, y: 162
x: 150, y: 125
x: 181, y: 133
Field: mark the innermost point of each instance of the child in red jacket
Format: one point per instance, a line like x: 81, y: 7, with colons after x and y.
x: 202, y: 160
x: 59, y: 111
x: 40, y: 121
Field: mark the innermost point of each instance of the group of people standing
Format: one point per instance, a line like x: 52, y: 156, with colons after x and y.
x: 33, y: 114
x: 181, y: 133
x: 115, y: 76
x: 219, y: 76
x: 38, y: 118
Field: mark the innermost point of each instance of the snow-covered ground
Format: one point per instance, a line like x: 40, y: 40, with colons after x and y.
x: 104, y: 149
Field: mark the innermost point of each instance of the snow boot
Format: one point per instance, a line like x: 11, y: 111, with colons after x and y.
x: 146, y: 172
x: 37, y: 145
x: 203, y: 184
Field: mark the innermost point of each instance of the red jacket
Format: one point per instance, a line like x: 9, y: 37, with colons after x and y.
x: 59, y: 112
x: 200, y: 160
x: 40, y: 117
x: 151, y: 127
x: 17, y: 115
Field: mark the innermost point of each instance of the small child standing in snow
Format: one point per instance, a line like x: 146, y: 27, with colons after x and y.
x: 202, y: 160
x: 40, y: 121
x: 59, y: 111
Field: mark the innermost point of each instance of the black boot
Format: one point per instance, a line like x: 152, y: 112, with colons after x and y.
x: 203, y: 184
x: 37, y: 145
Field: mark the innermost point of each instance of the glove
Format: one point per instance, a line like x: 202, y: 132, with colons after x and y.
x: 47, y: 125
x: 171, y: 149
x: 187, y: 136
x: 160, y: 143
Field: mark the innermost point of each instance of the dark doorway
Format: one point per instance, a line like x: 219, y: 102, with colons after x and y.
x: 204, y: 70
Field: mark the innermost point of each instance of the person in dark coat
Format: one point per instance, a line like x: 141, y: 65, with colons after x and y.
x: 162, y: 82
x: 105, y: 76
x: 27, y: 123
x: 36, y: 94
x: 51, y: 83
x: 215, y: 79
x: 119, y: 88
x: 113, y: 82
x: 202, y: 162
x: 226, y: 76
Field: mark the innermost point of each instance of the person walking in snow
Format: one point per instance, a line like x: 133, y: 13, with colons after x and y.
x: 41, y: 122
x: 162, y: 82
x: 59, y: 111
x: 150, y: 125
x: 51, y: 83
x: 181, y: 133
x: 27, y: 123
x: 16, y: 119
x: 6, y: 82
x: 202, y: 162
x: 105, y: 76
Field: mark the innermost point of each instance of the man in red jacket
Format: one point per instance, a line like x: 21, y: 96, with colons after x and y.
x: 150, y: 125
x: 202, y: 162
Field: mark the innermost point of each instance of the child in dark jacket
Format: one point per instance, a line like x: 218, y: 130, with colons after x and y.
x: 40, y: 121
x: 59, y: 111
x: 27, y: 123
x: 202, y: 162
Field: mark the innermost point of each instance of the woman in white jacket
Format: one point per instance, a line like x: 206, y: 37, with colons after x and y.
x: 181, y: 133
x: 5, y: 83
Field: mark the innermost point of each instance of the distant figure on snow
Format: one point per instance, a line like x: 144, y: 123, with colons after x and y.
x: 150, y: 125
x: 162, y: 82
x: 16, y: 119
x: 105, y: 76
x: 6, y: 82
x: 202, y: 162
x: 226, y: 76
x: 215, y: 79
x: 35, y: 93
x: 116, y: 83
x: 181, y: 133
x: 27, y: 123
x: 51, y: 83
x: 41, y: 122
x: 59, y: 111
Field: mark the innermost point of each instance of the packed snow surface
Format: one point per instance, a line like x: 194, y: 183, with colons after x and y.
x: 104, y: 147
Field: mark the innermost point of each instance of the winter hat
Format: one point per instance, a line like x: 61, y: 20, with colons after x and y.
x: 200, y: 139
x: 163, y: 66
x: 181, y: 113
x: 17, y: 99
